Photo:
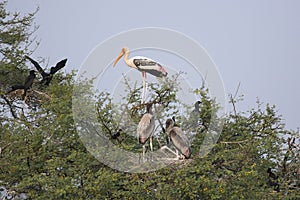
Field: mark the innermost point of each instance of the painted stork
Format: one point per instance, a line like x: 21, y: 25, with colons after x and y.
x: 28, y: 82
x: 144, y: 65
x: 178, y: 138
x: 145, y: 128
x: 47, y: 77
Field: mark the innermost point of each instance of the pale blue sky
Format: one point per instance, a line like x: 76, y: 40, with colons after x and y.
x: 253, y: 42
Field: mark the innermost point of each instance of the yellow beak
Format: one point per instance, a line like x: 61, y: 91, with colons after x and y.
x: 118, y: 58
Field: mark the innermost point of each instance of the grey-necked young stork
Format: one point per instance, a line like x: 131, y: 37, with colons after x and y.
x: 144, y: 65
x: 178, y: 138
x: 145, y: 128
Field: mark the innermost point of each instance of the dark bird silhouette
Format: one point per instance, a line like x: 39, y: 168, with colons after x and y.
x: 197, y: 107
x: 28, y: 82
x: 178, y: 138
x: 15, y: 87
x: 116, y: 134
x: 195, y: 114
x: 47, y: 77
x: 273, y: 179
x: 145, y: 128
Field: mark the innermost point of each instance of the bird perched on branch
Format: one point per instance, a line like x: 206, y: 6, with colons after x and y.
x: 47, y: 77
x: 194, y: 116
x: 15, y: 87
x: 196, y: 110
x: 28, y: 82
x: 178, y: 138
x: 116, y: 134
x: 273, y: 179
x: 144, y: 65
x: 145, y: 128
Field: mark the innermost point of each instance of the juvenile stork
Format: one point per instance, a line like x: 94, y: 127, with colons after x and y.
x: 144, y: 65
x: 145, y: 128
x: 178, y: 138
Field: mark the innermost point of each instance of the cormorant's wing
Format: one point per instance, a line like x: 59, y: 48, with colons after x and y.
x: 58, y: 66
x: 15, y: 87
x: 37, y: 66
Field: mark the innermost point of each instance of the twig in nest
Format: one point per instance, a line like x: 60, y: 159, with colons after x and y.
x: 43, y: 94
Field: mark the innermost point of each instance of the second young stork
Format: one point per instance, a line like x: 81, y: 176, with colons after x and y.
x: 178, y: 138
x: 144, y: 65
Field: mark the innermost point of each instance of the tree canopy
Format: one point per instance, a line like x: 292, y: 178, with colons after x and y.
x: 42, y: 155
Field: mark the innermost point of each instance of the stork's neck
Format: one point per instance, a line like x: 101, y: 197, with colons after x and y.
x: 168, y: 128
x: 127, y: 61
x: 149, y: 109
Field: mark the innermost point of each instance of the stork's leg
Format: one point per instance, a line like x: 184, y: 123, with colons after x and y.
x: 144, y: 150
x: 175, y: 159
x: 151, y: 147
x: 144, y: 86
x: 165, y: 147
x: 178, y: 156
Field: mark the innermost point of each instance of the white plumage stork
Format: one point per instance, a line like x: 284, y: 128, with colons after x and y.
x: 144, y: 65
x: 178, y: 138
x: 145, y: 128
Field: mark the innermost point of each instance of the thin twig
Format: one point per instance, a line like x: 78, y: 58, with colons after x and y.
x: 236, y: 142
x: 10, y: 107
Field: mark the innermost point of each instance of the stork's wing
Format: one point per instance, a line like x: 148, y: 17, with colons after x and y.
x: 58, y: 66
x: 37, y: 66
x: 180, y: 141
x: 141, y: 62
x: 145, y: 127
x: 149, y: 66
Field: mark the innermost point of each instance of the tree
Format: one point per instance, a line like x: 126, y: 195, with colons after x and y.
x: 42, y: 154
x: 15, y: 42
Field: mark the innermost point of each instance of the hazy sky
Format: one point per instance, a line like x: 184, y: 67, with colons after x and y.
x: 256, y: 42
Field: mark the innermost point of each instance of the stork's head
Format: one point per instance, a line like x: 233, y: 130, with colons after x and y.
x: 149, y: 106
x: 124, y: 50
x: 169, y: 125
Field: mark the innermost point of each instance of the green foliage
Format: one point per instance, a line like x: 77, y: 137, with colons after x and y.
x: 15, y: 42
x: 42, y: 155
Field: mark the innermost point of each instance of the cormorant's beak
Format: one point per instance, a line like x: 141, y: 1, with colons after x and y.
x: 118, y: 58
